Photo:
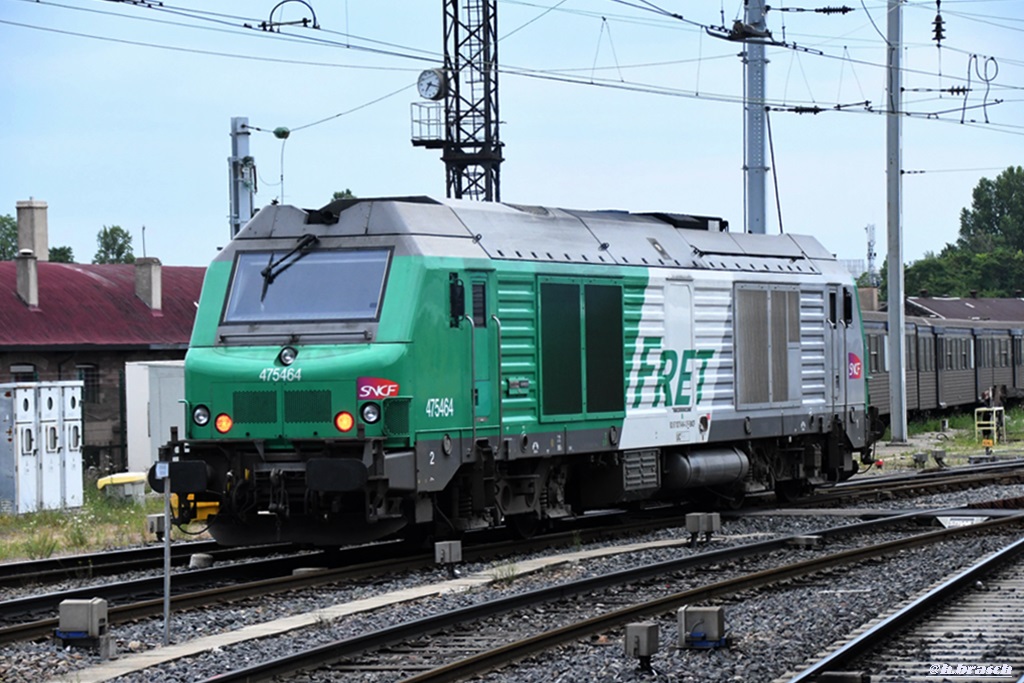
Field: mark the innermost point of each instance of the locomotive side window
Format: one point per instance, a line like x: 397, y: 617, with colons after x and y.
x: 847, y: 306
x: 310, y: 286
x: 480, y: 304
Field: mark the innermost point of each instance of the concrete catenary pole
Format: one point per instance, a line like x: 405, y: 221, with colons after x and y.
x: 897, y: 318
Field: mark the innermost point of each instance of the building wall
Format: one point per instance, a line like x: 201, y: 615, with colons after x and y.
x: 102, y: 405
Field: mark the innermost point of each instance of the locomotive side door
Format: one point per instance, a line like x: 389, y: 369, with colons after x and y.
x: 839, y: 316
x: 479, y: 308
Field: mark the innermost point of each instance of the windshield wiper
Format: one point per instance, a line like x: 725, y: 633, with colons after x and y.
x: 275, y: 268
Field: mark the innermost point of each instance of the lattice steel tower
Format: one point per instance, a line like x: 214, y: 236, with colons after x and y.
x: 472, y: 148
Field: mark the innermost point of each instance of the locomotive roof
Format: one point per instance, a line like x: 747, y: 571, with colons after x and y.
x: 533, y: 233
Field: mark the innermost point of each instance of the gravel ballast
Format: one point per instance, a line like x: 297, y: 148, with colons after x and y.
x: 771, y: 633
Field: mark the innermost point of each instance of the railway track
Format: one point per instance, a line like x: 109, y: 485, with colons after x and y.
x: 111, y: 562
x: 470, y: 643
x: 32, y: 616
x: 918, y: 483
x: 967, y: 628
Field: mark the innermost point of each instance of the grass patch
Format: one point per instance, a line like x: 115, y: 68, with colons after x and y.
x: 505, y: 574
x: 959, y: 421
x: 101, y: 523
x: 960, y: 432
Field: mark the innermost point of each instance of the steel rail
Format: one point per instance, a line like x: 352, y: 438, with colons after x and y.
x: 334, y: 652
x: 391, y: 561
x: 890, y: 626
x: 146, y: 608
x: 32, y: 572
x: 497, y: 657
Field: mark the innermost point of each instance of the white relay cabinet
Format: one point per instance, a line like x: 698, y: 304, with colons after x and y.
x: 40, y: 446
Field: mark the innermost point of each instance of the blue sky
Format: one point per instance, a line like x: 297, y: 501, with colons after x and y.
x: 115, y: 131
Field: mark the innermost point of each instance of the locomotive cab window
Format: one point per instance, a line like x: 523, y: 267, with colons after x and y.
x: 311, y: 286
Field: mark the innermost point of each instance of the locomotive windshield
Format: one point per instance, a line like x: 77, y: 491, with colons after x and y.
x: 321, y: 285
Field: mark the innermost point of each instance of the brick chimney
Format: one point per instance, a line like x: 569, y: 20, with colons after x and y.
x: 148, y: 286
x: 28, y: 276
x: 32, y: 228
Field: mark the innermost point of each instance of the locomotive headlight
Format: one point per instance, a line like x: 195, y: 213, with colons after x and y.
x: 370, y: 413
x: 223, y: 423
x: 201, y: 416
x: 344, y: 421
x: 287, y: 355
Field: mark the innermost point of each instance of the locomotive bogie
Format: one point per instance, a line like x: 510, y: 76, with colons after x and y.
x: 450, y: 366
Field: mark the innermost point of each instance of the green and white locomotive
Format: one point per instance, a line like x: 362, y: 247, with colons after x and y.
x: 440, y: 366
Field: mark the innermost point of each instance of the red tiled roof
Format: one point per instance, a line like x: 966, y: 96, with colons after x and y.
x: 95, y: 305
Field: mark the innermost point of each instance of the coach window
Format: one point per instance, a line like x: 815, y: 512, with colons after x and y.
x: 24, y: 372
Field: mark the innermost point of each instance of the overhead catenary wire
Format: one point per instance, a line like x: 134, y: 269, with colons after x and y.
x: 434, y: 56
x: 537, y: 74
x: 550, y: 74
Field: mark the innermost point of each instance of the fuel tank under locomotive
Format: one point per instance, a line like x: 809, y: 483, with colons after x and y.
x: 609, y: 479
x: 709, y: 467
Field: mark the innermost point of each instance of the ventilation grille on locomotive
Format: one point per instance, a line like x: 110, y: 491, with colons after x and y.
x: 307, y: 406
x: 396, y: 416
x: 255, y: 407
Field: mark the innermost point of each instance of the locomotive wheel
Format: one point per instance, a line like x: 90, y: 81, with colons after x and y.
x: 790, y: 490
x: 524, y: 526
x: 733, y: 501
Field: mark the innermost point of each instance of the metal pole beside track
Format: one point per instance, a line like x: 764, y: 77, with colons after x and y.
x: 163, y: 471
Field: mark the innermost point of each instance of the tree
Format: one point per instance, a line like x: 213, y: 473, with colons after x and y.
x: 114, y: 246
x: 62, y: 255
x: 996, y: 216
x: 9, y: 243
x: 8, y: 238
x: 988, y: 256
x: 345, y: 194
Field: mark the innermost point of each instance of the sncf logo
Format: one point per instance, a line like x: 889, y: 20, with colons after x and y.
x: 855, y: 368
x: 376, y: 388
